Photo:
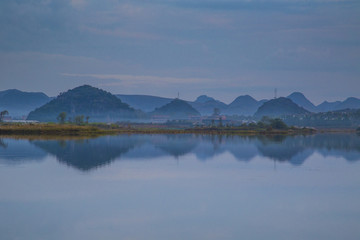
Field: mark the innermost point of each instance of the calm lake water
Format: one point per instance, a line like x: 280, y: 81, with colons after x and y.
x: 181, y: 187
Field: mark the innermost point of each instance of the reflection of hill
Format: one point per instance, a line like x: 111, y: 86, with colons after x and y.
x: 87, y: 154
x: 242, y: 148
x: 282, y: 148
x: 298, y: 148
x: 337, y: 145
x: 92, y: 153
x: 177, y: 145
x: 17, y: 151
x: 209, y: 146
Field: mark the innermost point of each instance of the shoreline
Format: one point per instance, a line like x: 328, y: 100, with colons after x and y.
x: 93, y: 130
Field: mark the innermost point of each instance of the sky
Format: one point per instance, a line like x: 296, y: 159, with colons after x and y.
x: 221, y: 48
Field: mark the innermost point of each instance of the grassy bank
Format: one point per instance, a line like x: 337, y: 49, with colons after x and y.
x: 51, y: 129
x: 105, y: 129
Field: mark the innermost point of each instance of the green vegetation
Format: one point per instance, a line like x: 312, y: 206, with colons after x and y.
x: 265, y: 126
x: 51, y: 129
x: 61, y: 118
x: 79, y: 120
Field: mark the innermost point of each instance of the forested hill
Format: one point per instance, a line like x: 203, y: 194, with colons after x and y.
x: 176, y: 109
x: 278, y: 107
x: 85, y: 100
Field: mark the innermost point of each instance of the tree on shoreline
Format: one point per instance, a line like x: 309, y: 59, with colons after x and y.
x: 61, y: 117
x: 79, y: 120
x: 2, y: 115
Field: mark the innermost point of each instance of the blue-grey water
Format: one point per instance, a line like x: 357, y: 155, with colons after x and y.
x: 181, y: 187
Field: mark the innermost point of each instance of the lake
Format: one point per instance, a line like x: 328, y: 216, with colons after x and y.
x: 181, y: 187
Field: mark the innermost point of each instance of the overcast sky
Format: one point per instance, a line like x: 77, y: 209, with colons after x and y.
x: 220, y: 48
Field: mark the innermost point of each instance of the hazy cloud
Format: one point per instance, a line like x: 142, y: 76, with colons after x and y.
x: 131, y: 79
x: 223, y: 48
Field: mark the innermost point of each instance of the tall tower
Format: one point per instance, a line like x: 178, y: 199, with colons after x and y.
x: 275, y: 93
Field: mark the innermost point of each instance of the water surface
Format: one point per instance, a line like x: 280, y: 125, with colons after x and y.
x: 181, y: 187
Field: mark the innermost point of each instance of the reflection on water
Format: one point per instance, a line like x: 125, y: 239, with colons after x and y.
x: 17, y: 151
x: 151, y: 187
x: 87, y: 154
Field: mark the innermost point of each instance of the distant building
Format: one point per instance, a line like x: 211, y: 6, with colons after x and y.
x: 21, y: 121
x: 159, y: 118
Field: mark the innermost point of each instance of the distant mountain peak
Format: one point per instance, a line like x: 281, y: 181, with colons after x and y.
x: 243, y: 100
x: 278, y: 107
x: 17, y: 91
x: 300, y: 99
x: 204, y: 99
x: 177, y: 108
x: 351, y: 103
x: 19, y: 103
x: 243, y: 105
x: 296, y: 94
x: 245, y: 97
x: 352, y: 99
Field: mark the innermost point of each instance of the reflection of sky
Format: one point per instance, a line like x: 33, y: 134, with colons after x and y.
x: 221, y: 48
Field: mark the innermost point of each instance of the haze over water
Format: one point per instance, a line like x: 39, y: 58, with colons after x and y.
x: 181, y: 187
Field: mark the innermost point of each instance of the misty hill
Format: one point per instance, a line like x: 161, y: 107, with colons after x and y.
x: 178, y: 109
x: 204, y: 99
x: 349, y: 103
x: 243, y: 105
x: 302, y: 101
x: 85, y: 100
x: 327, y: 106
x: 205, y: 105
x: 145, y: 103
x: 278, y: 107
x: 19, y: 103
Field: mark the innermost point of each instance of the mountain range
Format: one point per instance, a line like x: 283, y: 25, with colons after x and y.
x: 101, y: 103
x: 302, y: 101
x: 242, y: 105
